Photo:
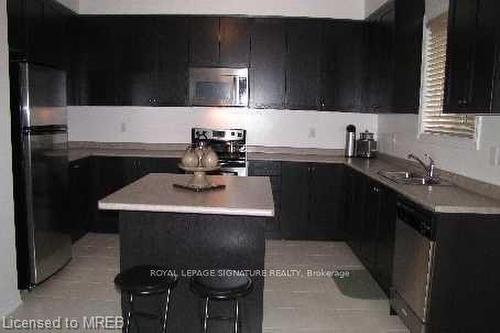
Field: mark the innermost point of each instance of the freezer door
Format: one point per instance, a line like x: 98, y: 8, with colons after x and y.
x: 43, y: 96
x: 46, y: 174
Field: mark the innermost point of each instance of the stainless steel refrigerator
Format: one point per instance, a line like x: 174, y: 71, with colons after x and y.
x: 40, y: 167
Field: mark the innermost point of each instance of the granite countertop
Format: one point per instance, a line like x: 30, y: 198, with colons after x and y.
x: 246, y: 196
x: 464, y: 198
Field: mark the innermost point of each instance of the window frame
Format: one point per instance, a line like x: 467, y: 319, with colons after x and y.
x: 436, y: 138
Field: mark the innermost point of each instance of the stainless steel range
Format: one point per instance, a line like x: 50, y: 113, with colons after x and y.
x: 229, y: 144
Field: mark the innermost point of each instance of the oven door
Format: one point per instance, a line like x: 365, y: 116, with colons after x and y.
x: 218, y: 87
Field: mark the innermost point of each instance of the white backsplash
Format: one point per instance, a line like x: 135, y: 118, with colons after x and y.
x: 279, y: 128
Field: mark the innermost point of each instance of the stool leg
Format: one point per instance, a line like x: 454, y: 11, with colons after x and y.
x: 236, y: 315
x: 205, y: 316
x: 129, y: 313
x: 165, y: 313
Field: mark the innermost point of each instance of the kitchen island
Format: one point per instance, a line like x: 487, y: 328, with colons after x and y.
x: 195, y: 233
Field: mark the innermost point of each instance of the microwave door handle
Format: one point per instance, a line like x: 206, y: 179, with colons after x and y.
x: 236, y: 85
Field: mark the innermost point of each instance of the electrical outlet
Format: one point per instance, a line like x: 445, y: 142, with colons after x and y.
x: 123, y: 127
x: 312, y: 132
x: 495, y: 156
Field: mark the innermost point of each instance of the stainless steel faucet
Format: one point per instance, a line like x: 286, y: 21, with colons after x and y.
x: 430, y: 170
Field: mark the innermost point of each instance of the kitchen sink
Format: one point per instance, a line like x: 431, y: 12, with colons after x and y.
x: 410, y: 178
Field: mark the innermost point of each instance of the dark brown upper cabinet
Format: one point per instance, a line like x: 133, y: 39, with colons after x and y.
x: 472, y: 63
x: 409, y: 16
x: 37, y: 31
x: 234, y: 41
x: 342, y: 66
x: 131, y: 60
x: 204, y: 41
x: 219, y: 41
x: 303, y: 64
x: 379, y: 60
x: 268, y: 64
x: 393, y: 57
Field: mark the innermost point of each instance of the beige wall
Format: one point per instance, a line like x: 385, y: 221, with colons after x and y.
x: 9, y: 296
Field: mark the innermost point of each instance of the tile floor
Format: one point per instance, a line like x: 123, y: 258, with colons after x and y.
x: 291, y: 304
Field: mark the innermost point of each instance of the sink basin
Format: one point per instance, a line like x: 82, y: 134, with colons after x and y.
x: 409, y: 178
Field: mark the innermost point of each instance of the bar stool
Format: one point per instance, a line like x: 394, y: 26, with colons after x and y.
x: 139, y: 281
x: 224, y: 288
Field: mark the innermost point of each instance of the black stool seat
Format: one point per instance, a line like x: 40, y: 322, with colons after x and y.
x: 223, y: 287
x: 142, y: 281
x: 145, y: 280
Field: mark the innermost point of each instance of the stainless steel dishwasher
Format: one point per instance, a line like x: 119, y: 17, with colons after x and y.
x: 413, y: 266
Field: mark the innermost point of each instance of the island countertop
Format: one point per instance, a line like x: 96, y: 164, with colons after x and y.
x: 246, y: 196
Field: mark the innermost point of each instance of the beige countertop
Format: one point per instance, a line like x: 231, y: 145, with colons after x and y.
x: 441, y: 199
x: 244, y: 196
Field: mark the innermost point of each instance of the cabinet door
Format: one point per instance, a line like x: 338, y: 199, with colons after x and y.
x: 139, y: 63
x: 109, y: 174
x: 234, y: 41
x: 80, y: 198
x: 100, y: 57
x: 267, y: 64
x: 385, y: 238
x: 204, y: 41
x: 370, y: 225
x: 379, y: 59
x: 408, y: 55
x: 325, y: 206
x: 171, y: 82
x: 495, y: 104
x: 303, y: 64
x: 470, y: 56
x: 295, y: 200
x: 357, y: 206
x: 342, y: 66
x: 17, y: 27
x: 37, y: 36
x: 271, y: 169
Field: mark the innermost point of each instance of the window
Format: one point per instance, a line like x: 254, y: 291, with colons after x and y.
x: 434, y: 121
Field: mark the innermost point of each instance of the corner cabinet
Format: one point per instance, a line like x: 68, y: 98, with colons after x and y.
x: 408, y: 36
x: 378, y: 58
x: 342, y: 66
x: 472, y: 57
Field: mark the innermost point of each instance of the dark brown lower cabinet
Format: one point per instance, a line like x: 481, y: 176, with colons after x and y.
x: 94, y: 178
x: 370, y: 222
x: 311, y: 201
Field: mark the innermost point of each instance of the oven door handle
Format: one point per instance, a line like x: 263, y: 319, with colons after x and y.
x: 228, y: 173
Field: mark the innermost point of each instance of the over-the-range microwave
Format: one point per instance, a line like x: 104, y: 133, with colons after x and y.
x: 217, y: 86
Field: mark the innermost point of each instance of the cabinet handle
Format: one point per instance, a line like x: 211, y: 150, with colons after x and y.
x: 463, y: 102
x: 76, y: 166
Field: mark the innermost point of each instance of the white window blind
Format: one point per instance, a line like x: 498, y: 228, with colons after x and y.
x: 434, y: 121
